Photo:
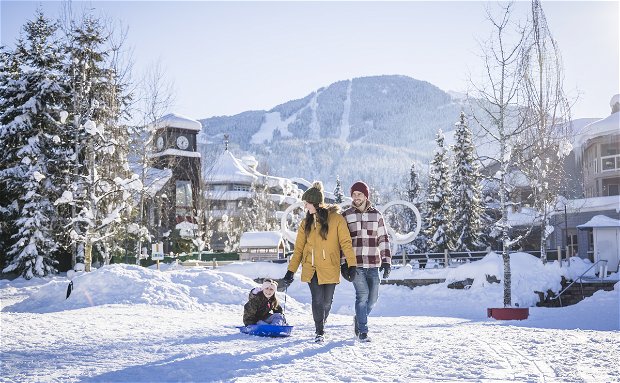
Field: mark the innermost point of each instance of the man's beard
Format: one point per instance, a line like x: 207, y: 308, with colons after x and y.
x: 358, y: 204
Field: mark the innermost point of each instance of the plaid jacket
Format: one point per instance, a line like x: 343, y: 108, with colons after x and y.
x: 369, y: 236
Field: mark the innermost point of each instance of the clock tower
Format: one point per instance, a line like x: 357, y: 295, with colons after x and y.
x: 176, y: 149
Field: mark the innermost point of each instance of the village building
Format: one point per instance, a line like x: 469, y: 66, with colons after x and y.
x: 235, y: 192
x: 577, y: 221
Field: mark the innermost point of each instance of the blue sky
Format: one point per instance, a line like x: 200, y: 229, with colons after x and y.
x: 228, y: 57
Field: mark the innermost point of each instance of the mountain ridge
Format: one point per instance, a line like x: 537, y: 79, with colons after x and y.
x: 369, y: 128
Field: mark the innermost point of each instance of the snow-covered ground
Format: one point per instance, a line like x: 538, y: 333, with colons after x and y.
x: 125, y: 323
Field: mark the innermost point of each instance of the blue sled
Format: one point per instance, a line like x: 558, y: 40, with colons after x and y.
x: 266, y: 330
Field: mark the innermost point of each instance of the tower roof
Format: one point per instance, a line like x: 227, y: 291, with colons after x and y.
x: 174, y: 120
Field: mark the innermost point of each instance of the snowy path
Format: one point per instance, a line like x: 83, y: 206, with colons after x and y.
x: 125, y: 323
x: 140, y: 343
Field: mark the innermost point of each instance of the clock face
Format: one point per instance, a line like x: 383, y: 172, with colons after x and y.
x: 160, y: 143
x: 182, y: 142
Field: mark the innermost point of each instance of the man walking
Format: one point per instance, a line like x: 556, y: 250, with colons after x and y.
x: 372, y: 250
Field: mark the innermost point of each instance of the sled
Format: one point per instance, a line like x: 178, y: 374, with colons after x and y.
x: 269, y: 330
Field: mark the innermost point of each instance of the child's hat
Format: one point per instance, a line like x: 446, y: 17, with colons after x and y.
x: 270, y: 283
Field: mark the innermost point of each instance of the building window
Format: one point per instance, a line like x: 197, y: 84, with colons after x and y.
x: 613, y: 189
x: 610, y: 163
x: 239, y: 187
x: 217, y: 187
x: 571, y: 242
x: 184, y: 200
x: 610, y: 149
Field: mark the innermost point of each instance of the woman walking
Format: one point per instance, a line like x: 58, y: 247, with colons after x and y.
x: 322, y: 235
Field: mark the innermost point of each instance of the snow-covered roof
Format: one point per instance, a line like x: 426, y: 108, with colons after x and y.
x: 525, y: 217
x: 229, y: 169
x: 226, y: 168
x: 262, y: 239
x: 156, y: 179
x: 600, y: 221
x: 174, y: 120
x: 583, y: 205
x: 607, y: 126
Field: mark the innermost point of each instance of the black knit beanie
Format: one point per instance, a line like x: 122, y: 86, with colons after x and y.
x: 314, y: 195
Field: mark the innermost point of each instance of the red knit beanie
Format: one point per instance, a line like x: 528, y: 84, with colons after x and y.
x: 361, y: 187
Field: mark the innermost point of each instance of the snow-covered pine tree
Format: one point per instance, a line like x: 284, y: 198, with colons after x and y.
x: 101, y: 179
x: 467, y: 204
x: 30, y: 137
x: 438, y: 208
x: 338, y: 194
x: 9, y: 75
x: 413, y: 195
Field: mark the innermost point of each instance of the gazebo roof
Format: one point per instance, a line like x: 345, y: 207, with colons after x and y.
x: 600, y: 221
x: 260, y: 239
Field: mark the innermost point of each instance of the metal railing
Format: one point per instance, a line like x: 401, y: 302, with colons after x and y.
x: 448, y: 258
x: 580, y: 279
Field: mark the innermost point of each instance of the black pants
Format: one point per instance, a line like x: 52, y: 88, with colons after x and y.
x: 322, y: 296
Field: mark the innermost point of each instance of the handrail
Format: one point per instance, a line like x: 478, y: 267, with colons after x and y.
x: 559, y: 296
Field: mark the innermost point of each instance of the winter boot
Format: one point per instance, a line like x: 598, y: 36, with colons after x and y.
x: 363, y: 337
x: 319, y: 338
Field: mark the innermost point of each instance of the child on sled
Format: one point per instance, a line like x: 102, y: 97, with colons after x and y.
x: 263, y: 307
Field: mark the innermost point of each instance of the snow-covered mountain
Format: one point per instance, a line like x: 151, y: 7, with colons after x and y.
x: 369, y: 128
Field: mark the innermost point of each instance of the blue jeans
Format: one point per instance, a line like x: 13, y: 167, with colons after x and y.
x: 366, y: 283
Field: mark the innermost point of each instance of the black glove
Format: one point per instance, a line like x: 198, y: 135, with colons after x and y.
x: 386, y: 267
x: 352, y: 273
x: 288, y: 278
x: 344, y: 271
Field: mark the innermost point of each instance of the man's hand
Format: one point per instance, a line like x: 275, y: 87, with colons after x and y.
x: 386, y: 268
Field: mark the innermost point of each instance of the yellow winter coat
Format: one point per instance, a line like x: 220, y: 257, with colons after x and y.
x: 323, y: 255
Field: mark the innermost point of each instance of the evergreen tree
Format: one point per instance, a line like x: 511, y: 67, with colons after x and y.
x: 338, y: 194
x: 413, y: 189
x: 438, y: 208
x: 30, y: 136
x: 413, y: 195
x: 467, y: 204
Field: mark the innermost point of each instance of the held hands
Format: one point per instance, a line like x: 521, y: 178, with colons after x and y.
x: 347, y: 272
x: 387, y: 268
x: 352, y: 272
x: 288, y: 278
